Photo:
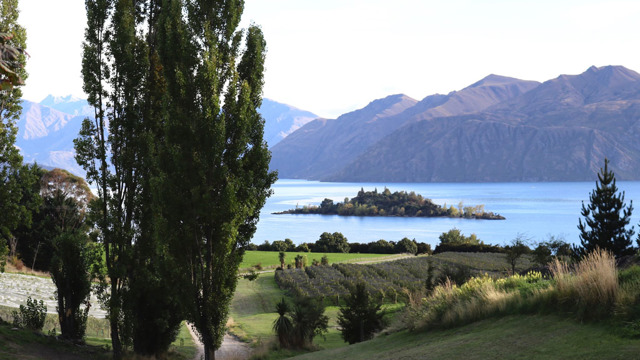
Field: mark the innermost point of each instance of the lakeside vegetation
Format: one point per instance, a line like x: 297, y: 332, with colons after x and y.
x: 399, y: 203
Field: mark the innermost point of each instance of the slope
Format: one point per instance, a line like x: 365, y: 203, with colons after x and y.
x: 281, y: 120
x: 323, y: 147
x: 559, y: 131
x: 512, y: 337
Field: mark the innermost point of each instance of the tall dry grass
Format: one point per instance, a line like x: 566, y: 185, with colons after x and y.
x: 588, y: 289
x: 592, y: 286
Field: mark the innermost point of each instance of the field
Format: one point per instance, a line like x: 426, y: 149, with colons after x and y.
x: 270, y: 260
x: 388, y: 281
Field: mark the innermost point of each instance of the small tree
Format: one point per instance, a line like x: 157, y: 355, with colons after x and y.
x: 360, y: 318
x: 515, y: 251
x: 406, y: 246
x: 308, y: 321
x: 324, y: 260
x: 283, y: 325
x: 333, y: 243
x: 70, y: 271
x: 282, y: 256
x: 606, y: 218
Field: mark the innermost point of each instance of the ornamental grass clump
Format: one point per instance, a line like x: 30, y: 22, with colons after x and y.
x: 591, y: 290
x: 480, y: 297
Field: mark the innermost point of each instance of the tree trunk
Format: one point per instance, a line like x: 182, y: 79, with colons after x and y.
x: 35, y: 256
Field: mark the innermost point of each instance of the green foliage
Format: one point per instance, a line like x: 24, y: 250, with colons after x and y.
x: 360, y: 317
x: 335, y: 242
x: 324, y: 260
x: 455, y: 237
x: 283, y: 326
x: 514, y: 251
x: 4, y: 251
x: 71, y: 273
x: 31, y: 316
x: 606, y: 218
x: 406, y: 246
x: 399, y: 203
x: 546, y: 251
x: 309, y: 321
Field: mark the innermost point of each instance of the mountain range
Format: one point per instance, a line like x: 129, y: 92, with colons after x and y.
x: 46, y: 129
x: 497, y: 129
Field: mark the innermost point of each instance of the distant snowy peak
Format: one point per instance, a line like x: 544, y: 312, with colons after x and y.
x: 69, y: 104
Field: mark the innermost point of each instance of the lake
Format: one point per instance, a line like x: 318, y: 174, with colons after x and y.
x: 535, y: 210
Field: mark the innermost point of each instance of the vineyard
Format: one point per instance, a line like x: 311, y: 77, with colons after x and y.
x: 388, y: 281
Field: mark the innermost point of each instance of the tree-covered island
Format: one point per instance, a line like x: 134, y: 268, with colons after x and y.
x: 399, y: 203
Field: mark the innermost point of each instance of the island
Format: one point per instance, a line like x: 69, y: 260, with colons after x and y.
x: 399, y: 203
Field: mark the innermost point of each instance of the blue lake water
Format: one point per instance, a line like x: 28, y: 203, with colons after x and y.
x: 535, y: 210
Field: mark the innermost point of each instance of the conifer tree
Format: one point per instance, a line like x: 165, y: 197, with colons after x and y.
x: 360, y: 317
x: 606, y: 218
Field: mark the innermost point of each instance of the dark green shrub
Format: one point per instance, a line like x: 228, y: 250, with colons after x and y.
x: 360, y: 318
x: 31, y: 316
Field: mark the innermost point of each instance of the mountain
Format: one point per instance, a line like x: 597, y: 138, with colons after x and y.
x: 45, y: 135
x: 559, y: 131
x: 69, y: 105
x: 325, y: 147
x: 281, y: 120
x: 46, y: 130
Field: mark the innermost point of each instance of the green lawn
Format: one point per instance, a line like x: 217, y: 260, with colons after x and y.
x: 513, y: 337
x: 270, y: 259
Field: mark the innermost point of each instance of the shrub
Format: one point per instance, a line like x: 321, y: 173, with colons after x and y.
x: 31, y: 316
x: 360, y: 318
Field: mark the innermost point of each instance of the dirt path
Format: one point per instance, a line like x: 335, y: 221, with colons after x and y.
x: 231, y: 349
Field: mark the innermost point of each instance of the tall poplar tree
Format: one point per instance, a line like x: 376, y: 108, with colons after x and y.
x: 214, y: 160
x: 12, y: 74
x: 115, y: 66
x: 606, y: 218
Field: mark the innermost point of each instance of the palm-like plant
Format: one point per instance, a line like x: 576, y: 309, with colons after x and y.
x: 283, y: 325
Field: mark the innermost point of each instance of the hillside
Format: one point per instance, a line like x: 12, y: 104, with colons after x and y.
x: 512, y: 337
x: 45, y: 135
x: 324, y: 147
x: 281, y: 120
x: 559, y: 131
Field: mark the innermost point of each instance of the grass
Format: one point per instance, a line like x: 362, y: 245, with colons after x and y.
x: 270, y: 259
x: 512, y: 337
x: 97, y: 338
x: 253, y: 313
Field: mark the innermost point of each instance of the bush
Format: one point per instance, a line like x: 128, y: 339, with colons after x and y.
x: 31, y: 316
x: 360, y: 318
x: 480, y: 248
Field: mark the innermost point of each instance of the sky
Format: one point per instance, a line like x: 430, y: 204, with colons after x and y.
x: 335, y: 56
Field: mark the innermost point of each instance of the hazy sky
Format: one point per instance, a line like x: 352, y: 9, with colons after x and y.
x: 334, y: 56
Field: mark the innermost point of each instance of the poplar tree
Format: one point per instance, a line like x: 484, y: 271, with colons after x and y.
x: 177, y: 152
x: 12, y: 74
x: 606, y: 218
x: 214, y: 160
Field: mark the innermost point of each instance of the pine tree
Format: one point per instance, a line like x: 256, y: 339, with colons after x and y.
x: 360, y: 318
x: 606, y: 218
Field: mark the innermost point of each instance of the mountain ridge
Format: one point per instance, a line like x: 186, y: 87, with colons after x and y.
x: 559, y: 131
